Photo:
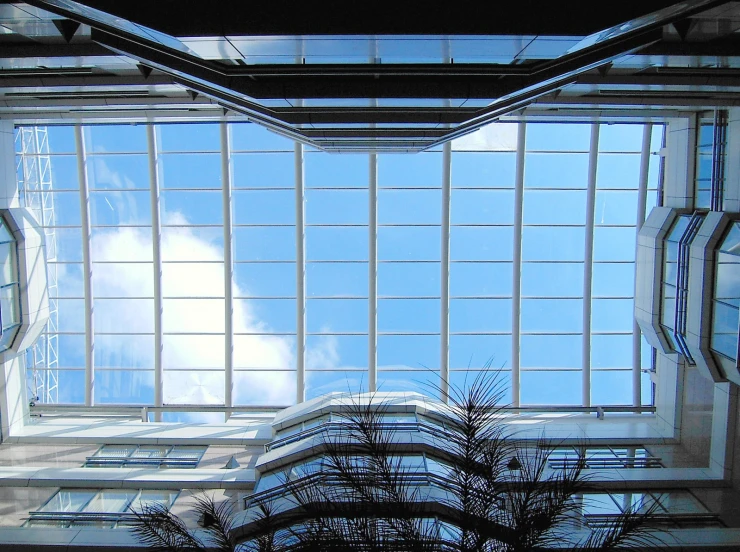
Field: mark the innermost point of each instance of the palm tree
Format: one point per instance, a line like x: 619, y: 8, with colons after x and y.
x: 489, y: 492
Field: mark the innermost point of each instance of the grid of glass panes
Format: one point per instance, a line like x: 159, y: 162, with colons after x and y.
x: 105, y: 508
x: 408, y: 274
x: 10, y: 313
x: 481, y: 256
x: 117, y: 165
x: 264, y: 255
x: 727, y: 299
x: 63, y: 219
x: 192, y: 253
x: 337, y: 236
x: 337, y: 275
x: 704, y: 162
x: 157, y: 456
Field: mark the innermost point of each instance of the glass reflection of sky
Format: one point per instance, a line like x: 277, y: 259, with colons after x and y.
x: 336, y: 217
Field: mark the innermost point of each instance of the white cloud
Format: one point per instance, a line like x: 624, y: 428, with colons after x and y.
x: 493, y: 137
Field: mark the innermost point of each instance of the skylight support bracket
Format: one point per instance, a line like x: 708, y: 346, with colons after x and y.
x: 444, y: 360
x: 517, y: 262
x: 647, y: 131
x: 226, y: 183
x: 593, y: 156
x: 157, y: 265
x: 300, y: 263
x: 86, y: 265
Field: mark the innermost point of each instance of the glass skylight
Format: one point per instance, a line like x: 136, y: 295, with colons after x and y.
x: 180, y: 215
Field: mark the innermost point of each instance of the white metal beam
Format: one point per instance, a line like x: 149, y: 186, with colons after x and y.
x: 588, y: 258
x: 444, y: 338
x: 372, y: 292
x: 82, y: 175
x: 300, y: 263
x: 647, y: 132
x: 517, y: 263
x: 154, y: 199
x: 226, y: 183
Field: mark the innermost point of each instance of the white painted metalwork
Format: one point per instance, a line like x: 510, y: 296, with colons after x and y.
x: 593, y: 158
x: 86, y: 265
x: 516, y: 300
x: 154, y: 198
x: 372, y: 291
x: 226, y: 182
x: 444, y: 338
x: 35, y: 176
x: 647, y: 131
x: 300, y: 263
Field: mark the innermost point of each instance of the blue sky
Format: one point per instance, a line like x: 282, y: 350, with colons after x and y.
x: 336, y: 216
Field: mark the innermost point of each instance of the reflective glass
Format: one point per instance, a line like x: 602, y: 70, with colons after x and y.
x: 117, y: 172
x: 725, y: 330
x: 68, y: 501
x: 124, y: 387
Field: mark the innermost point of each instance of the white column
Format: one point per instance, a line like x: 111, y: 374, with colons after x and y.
x: 228, y: 269
x: 641, y: 204
x: 372, y: 291
x: 86, y: 265
x: 588, y: 264
x: 154, y: 188
x: 517, y: 264
x: 444, y: 338
x: 300, y: 263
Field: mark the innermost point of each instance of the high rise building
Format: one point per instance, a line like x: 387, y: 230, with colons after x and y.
x: 214, y: 215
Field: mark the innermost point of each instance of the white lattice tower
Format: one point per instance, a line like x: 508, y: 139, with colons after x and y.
x: 35, y: 175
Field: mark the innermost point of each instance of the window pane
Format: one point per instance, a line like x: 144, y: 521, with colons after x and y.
x: 408, y: 279
x: 265, y: 315
x: 403, y: 171
x: 417, y: 352
x: 551, y: 351
x: 620, y: 171
x: 552, y: 315
x: 264, y: 207
x: 347, y: 243
x: 538, y: 207
x: 409, y: 206
x: 189, y: 137
x: 117, y: 172
x: 725, y: 330
x: 482, y: 207
x: 193, y: 207
x: 253, y: 137
x: 192, y: 279
x: 124, y: 351
x: 67, y: 501
x: 611, y: 351
x: 266, y: 279
x: 336, y: 206
x: 112, y: 208
x: 114, y: 138
x: 110, y: 501
x: 552, y: 279
x: 615, y: 208
x: 124, y: 387
x: 336, y: 352
x: 408, y: 243
x: 613, y: 280
x: 556, y: 170
x: 342, y: 171
x: 480, y: 315
x: 191, y: 387
x: 469, y: 243
x: 124, y: 315
x: 553, y: 244
x: 550, y: 387
x: 612, y: 315
x: 481, y: 279
x: 336, y: 315
x: 620, y: 138
x: 202, y: 170
x: 614, y: 244
x: 558, y: 137
x: 409, y: 315
x: 193, y: 315
x: 483, y: 170
x: 612, y: 387
x: 320, y: 383
x: 264, y: 351
x: 265, y: 243
x: 264, y: 170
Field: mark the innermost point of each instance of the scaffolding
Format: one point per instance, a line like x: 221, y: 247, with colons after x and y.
x: 33, y: 169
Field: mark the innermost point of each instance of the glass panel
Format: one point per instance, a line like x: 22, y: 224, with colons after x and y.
x: 191, y: 387
x: 412, y: 352
x: 193, y: 351
x: 620, y: 138
x: 190, y: 170
x: 320, y: 383
x: 611, y: 351
x: 67, y: 501
x: 408, y: 279
x: 338, y: 243
x: 725, y: 330
x: 263, y: 207
x: 193, y: 315
x: 613, y: 387
x: 479, y: 170
x: 117, y: 172
x: 336, y: 352
x: 618, y: 171
x: 124, y: 386
x: 122, y: 244
x: 556, y: 170
x: 480, y: 315
x: 554, y: 244
x: 115, y: 451
x: 124, y: 315
x: 408, y: 315
x: 337, y: 207
x: 264, y: 315
x: 264, y: 351
x: 403, y: 171
x: 551, y: 351
x: 265, y: 243
x: 189, y: 137
x: 8, y: 272
x: 409, y: 206
x: 552, y: 315
x: 614, y: 244
x: 476, y: 351
x: 469, y: 243
x: 613, y: 280
x: 612, y: 315
x: 538, y: 207
x: 192, y: 279
x: 552, y: 280
x: 727, y: 288
x: 482, y: 207
x: 336, y: 315
x: 196, y: 207
x: 419, y: 381
x: 551, y: 387
x: 113, y: 138
x: 268, y: 279
x: 152, y: 498
x: 480, y: 279
x: 124, y: 351
x: 408, y: 243
x: 615, y: 208
x: 265, y: 170
x: 347, y: 171
x: 336, y: 279
x: 558, y: 137
x: 112, y: 279
x: 110, y: 501
x: 253, y: 137
x: 269, y: 387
